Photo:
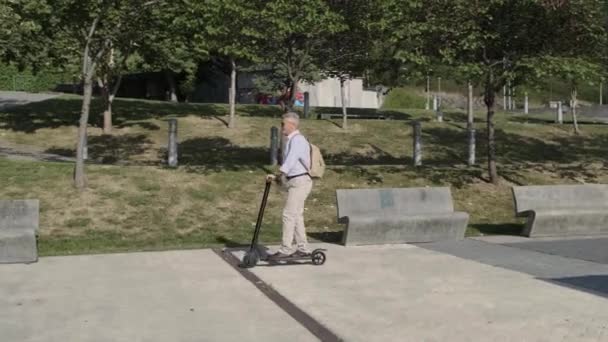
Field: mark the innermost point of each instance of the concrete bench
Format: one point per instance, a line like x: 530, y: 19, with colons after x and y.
x: 562, y: 210
x: 18, y: 228
x: 386, y: 216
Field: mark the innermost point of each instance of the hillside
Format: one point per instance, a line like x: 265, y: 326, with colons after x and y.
x: 135, y: 203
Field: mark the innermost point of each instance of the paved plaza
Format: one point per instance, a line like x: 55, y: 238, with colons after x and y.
x: 500, y: 289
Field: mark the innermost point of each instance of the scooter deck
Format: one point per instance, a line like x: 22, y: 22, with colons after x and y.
x: 290, y: 258
x: 316, y: 257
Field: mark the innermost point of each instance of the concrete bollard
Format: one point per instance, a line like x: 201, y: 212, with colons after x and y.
x: 471, y: 138
x: 439, y: 115
x: 559, y: 118
x: 172, y: 148
x: 526, y: 103
x: 85, y: 147
x: 306, y: 104
x: 417, y: 128
x: 274, y: 146
x: 435, y: 102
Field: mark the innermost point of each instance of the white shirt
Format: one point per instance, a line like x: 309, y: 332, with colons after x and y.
x: 296, y: 155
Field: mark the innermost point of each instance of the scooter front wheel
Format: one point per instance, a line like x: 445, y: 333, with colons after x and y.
x: 250, y: 259
x: 318, y: 258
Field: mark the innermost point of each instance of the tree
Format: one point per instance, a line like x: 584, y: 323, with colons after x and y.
x: 113, y: 64
x: 345, y: 53
x: 109, y: 79
x: 402, y: 48
x: 295, y: 31
x: 174, y: 42
x: 575, y: 71
x: 233, y: 30
x: 581, y: 26
x: 22, y: 32
x: 503, y: 40
x: 93, y: 27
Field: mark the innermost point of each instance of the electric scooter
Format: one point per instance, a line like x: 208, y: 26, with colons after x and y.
x: 256, y: 253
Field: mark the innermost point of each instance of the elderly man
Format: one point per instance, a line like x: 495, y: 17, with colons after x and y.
x: 294, y: 173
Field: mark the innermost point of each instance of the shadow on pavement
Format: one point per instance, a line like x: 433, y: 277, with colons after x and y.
x: 594, y: 284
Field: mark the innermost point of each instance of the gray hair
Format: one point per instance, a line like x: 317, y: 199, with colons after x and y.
x: 293, y: 117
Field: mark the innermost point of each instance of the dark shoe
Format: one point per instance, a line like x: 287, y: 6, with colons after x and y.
x: 300, y: 254
x: 278, y: 256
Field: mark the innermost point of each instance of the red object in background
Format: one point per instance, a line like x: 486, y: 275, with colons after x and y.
x: 263, y: 99
x: 300, y: 96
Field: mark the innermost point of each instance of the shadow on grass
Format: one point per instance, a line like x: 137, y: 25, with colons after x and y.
x: 60, y: 112
x: 110, y: 149
x: 367, y: 112
x: 375, y: 156
x: 145, y: 125
x: 270, y: 111
x: 549, y: 119
x: 230, y: 243
x: 218, y: 150
x: 448, y: 146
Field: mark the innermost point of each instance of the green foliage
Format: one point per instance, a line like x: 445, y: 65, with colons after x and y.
x: 493, y: 42
x: 23, y: 27
x: 43, y: 80
x: 232, y: 27
x: 295, y: 32
x: 400, y: 51
x: 403, y: 97
x: 345, y: 53
x: 172, y: 38
x: 269, y: 83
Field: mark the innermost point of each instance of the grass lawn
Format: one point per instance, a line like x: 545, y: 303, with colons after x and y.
x: 135, y: 203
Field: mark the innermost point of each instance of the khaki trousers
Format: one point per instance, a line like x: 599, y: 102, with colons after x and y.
x: 298, y: 190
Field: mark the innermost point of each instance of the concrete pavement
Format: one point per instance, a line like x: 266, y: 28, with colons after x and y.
x: 371, y: 293
x: 163, y: 296
x: 407, y: 293
x: 569, y: 262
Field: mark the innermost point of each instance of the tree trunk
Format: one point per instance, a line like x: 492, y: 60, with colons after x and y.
x: 427, y: 105
x: 80, y: 178
x: 292, y: 94
x: 108, y: 93
x: 107, y: 103
x: 574, y: 105
x: 107, y: 115
x: 232, y: 94
x: 172, y: 87
x: 470, y: 116
x: 343, y: 100
x: 490, y: 98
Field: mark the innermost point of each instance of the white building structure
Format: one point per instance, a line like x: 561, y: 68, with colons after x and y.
x: 326, y: 93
